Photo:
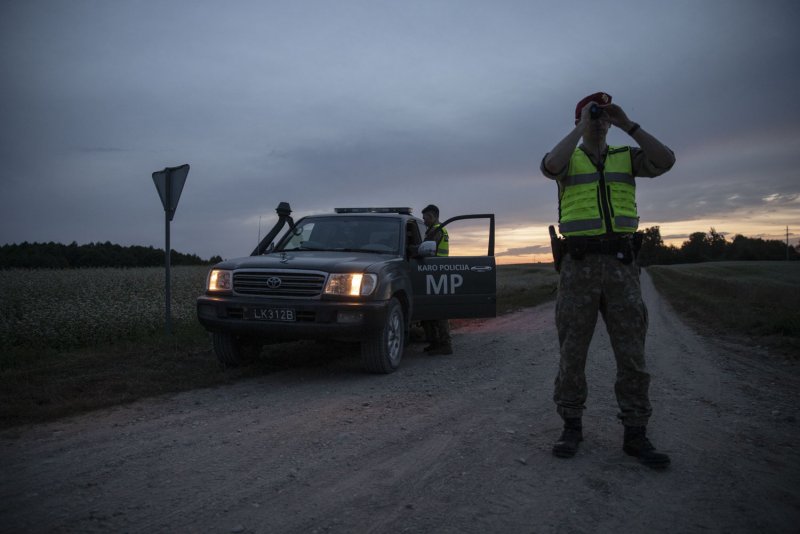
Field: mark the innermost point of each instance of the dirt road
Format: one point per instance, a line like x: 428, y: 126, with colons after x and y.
x: 458, y: 443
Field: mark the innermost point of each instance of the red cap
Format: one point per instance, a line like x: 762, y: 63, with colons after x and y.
x: 602, y: 100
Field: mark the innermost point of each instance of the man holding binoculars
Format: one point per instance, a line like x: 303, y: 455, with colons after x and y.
x: 598, y: 218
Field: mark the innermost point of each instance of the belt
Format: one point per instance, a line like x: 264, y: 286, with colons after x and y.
x: 598, y: 245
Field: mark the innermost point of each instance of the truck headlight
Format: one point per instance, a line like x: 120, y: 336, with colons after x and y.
x: 351, y: 284
x: 220, y: 280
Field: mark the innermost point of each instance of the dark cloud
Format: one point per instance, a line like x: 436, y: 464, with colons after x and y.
x: 330, y: 104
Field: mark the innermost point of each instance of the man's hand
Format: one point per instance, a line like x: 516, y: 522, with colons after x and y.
x: 618, y: 118
x: 557, y: 159
x: 586, y: 116
x: 661, y: 156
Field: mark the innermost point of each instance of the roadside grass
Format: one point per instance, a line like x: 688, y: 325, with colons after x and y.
x: 525, y: 285
x: 756, y: 303
x: 79, y: 340
x: 46, y: 383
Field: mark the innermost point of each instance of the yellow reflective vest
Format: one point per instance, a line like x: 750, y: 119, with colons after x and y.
x: 592, y: 200
x: 443, y: 246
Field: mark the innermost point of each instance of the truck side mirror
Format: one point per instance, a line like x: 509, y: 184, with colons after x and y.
x: 427, y: 249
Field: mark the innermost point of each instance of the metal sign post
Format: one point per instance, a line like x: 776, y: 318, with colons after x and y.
x: 169, y: 184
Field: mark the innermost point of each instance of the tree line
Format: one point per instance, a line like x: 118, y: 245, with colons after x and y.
x: 59, y: 256
x: 711, y: 246
x: 700, y: 247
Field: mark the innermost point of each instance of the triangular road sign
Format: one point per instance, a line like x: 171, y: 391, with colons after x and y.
x: 169, y: 184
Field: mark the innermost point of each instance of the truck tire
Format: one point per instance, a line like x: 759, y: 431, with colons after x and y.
x: 233, y: 351
x: 382, y: 350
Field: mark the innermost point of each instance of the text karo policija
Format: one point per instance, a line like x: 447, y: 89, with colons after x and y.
x: 443, y: 267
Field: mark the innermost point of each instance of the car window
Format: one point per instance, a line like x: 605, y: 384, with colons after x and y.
x: 412, y: 234
x: 356, y: 234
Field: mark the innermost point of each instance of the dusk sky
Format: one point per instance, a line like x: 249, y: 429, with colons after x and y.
x: 385, y: 103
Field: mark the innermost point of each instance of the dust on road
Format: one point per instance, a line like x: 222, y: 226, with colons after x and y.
x: 455, y: 443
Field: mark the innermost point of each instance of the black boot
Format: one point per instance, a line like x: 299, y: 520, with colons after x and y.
x: 635, y: 443
x: 567, y: 445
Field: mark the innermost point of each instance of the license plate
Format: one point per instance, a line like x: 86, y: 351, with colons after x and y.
x: 273, y: 314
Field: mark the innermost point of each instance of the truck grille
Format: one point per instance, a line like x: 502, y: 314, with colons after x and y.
x: 278, y: 283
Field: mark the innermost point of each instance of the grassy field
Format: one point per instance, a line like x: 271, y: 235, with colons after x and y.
x: 757, y: 302
x: 74, y: 340
x: 525, y: 285
x: 67, y: 309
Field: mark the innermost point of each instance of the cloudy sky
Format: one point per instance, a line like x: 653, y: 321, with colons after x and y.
x: 378, y: 102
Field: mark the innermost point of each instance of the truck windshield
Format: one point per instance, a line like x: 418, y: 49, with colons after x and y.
x: 349, y: 234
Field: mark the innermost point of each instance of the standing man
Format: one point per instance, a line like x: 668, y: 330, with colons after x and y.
x: 598, y: 217
x: 437, y: 332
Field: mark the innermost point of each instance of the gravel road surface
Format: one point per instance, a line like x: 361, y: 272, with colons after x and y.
x: 455, y: 443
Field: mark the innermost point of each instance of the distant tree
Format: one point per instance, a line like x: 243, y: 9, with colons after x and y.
x: 716, y: 245
x: 695, y: 249
x: 58, y: 256
x: 652, y: 246
x: 741, y: 249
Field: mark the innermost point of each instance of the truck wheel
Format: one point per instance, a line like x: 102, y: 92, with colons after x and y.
x: 382, y: 350
x: 233, y: 351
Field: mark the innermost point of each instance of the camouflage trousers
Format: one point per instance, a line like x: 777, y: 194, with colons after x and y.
x: 602, y: 283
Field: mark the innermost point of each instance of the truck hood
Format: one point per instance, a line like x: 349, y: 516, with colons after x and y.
x: 332, y: 262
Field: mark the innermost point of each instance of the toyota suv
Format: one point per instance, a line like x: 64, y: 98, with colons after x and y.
x: 360, y: 274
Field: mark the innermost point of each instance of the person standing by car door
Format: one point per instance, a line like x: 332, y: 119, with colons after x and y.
x: 437, y: 332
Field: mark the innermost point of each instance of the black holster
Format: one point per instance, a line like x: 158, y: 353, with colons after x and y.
x: 558, y: 247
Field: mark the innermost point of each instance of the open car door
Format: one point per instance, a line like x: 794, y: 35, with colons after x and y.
x: 453, y: 287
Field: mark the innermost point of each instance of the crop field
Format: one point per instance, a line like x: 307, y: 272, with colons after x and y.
x: 68, y: 309
x: 758, y: 300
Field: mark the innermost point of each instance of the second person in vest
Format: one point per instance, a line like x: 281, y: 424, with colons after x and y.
x: 437, y: 332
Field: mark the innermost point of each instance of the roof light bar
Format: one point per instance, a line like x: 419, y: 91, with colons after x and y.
x: 404, y: 211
